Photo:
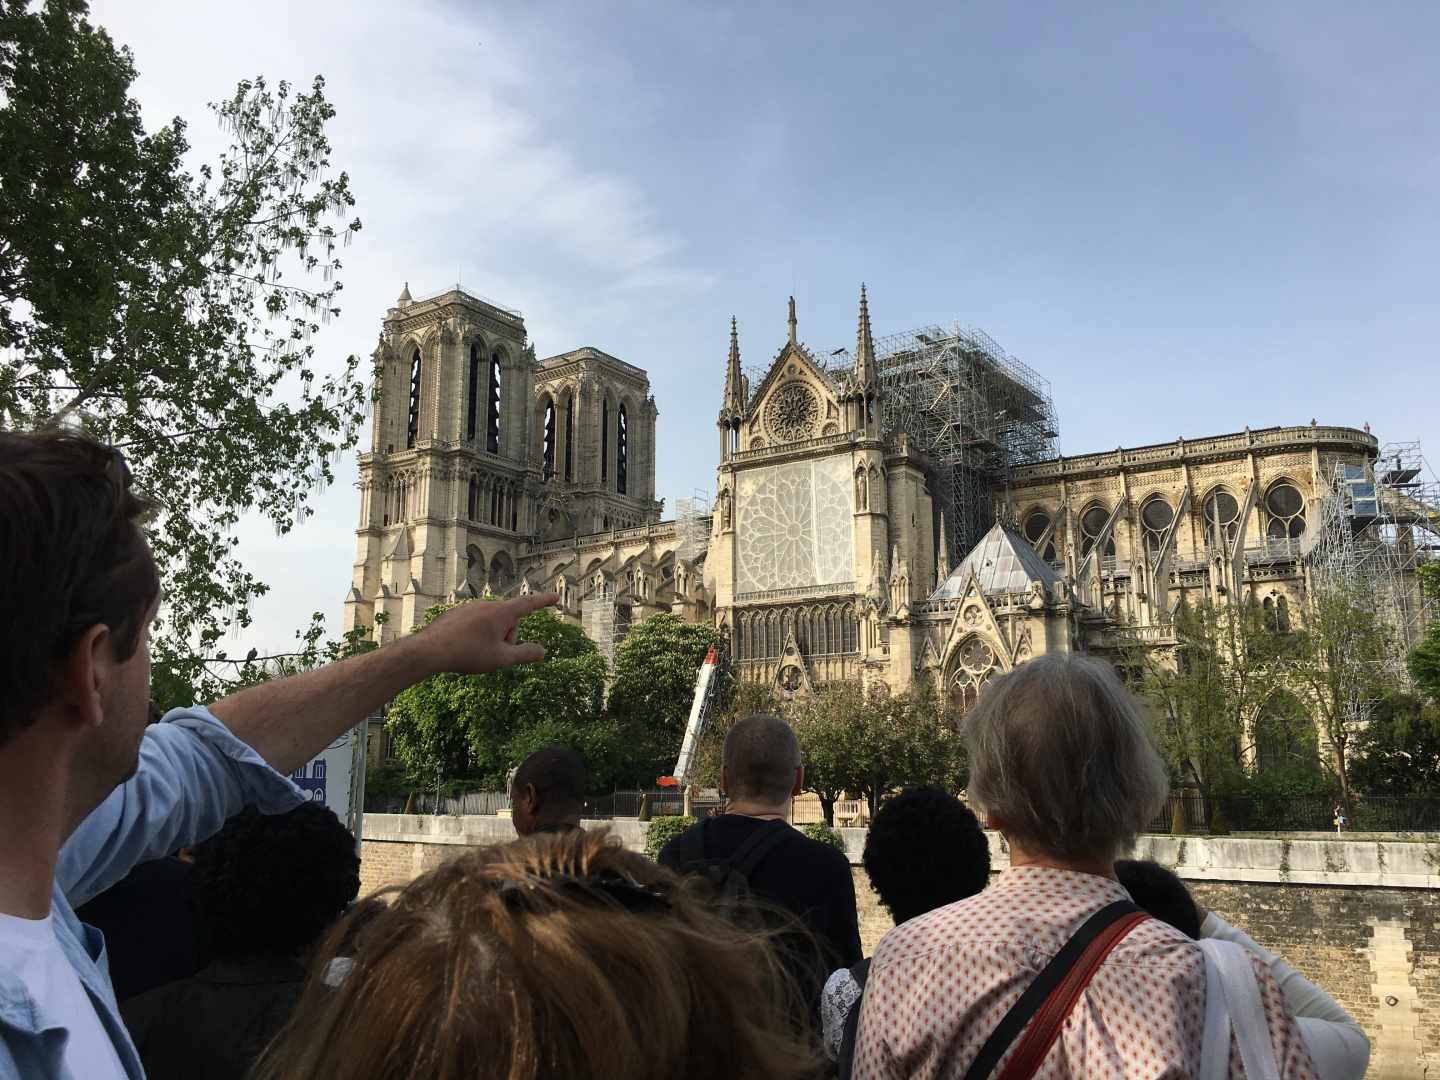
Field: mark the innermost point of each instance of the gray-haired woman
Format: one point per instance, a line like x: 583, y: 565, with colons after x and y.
x: 1063, y: 766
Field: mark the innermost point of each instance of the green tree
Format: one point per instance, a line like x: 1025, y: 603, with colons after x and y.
x: 655, y: 669
x: 1398, y: 751
x: 477, y: 727
x: 1209, y: 690
x: 172, y: 315
x: 831, y: 732
x: 1424, y: 659
x: 1338, y: 669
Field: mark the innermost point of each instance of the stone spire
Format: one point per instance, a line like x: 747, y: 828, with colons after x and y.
x: 792, y: 321
x: 734, y: 402
x: 405, y: 297
x: 864, y: 346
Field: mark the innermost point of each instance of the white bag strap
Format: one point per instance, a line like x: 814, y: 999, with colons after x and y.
x: 1228, y: 964
x: 1215, y: 1044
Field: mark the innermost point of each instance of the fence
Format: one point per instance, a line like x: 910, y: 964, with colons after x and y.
x: 617, y: 804
x: 1301, y: 813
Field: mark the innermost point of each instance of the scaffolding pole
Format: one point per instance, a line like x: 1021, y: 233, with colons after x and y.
x: 976, y: 412
x: 1378, y: 524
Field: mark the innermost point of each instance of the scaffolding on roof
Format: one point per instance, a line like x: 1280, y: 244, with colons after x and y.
x: 598, y: 617
x: 975, y: 410
x: 1378, y: 523
x: 692, y: 526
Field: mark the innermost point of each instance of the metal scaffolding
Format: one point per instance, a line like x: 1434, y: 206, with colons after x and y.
x: 692, y: 527
x: 975, y: 410
x: 1378, y: 524
x: 598, y: 618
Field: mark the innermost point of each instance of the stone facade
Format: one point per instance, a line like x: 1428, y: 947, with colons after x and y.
x: 825, y: 557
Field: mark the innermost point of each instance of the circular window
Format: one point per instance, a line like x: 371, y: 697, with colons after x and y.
x: 1092, y: 524
x: 1222, y: 517
x: 1034, y: 528
x: 792, y: 412
x: 1285, y: 508
x: 976, y: 657
x: 1155, y: 517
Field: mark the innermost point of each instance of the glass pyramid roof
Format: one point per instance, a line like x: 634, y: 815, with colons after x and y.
x: 1003, y: 562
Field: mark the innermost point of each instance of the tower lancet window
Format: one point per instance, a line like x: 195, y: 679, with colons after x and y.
x: 547, y: 447
x: 492, y: 417
x: 569, y: 438
x: 605, y: 439
x: 622, y: 450
x: 412, y: 427
x: 473, y: 398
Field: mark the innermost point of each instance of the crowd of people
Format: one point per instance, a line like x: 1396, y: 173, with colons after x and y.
x: 562, y: 954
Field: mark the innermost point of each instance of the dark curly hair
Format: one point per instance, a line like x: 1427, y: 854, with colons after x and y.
x: 925, y: 850
x: 272, y: 884
x: 1160, y: 893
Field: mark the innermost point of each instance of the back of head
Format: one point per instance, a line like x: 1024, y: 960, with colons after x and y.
x: 557, y: 955
x: 1160, y: 893
x: 273, y: 884
x: 760, y: 758
x: 1061, y: 758
x: 560, y: 780
x: 72, y: 556
x: 925, y: 849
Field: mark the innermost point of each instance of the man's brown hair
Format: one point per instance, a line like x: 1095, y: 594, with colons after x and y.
x: 558, y: 955
x: 72, y: 556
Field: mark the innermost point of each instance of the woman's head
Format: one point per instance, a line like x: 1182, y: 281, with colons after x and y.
x: 1061, y: 758
x: 925, y: 850
x: 559, y: 955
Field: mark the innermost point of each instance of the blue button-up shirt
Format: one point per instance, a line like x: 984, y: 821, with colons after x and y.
x: 193, y: 775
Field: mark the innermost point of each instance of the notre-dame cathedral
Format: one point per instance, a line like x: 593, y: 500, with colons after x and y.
x: 882, y: 514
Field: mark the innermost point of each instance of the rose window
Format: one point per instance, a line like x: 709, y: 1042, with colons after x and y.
x: 792, y: 412
x: 975, y: 663
x: 1155, y: 519
x: 1035, y: 526
x: 1092, y: 524
x: 1222, y: 518
x: 1286, y: 510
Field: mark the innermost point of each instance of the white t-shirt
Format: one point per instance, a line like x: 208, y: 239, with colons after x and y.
x: 33, y: 954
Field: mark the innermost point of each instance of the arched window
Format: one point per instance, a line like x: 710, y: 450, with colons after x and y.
x: 1282, y: 615
x: 973, y: 666
x: 569, y: 437
x: 1155, y: 518
x: 492, y: 417
x: 1092, y: 524
x: 547, y: 446
x: 514, y: 510
x: 472, y: 504
x: 1285, y: 508
x: 622, y: 450
x: 412, y: 427
x: 604, y: 440
x: 1035, y: 525
x: 472, y: 405
x: 1222, y: 518
x: 851, y: 627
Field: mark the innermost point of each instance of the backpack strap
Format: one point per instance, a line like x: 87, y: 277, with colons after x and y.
x: 846, y: 1061
x: 752, y: 852
x: 1053, y: 993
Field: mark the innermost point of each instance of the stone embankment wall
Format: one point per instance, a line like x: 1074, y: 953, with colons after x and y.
x: 1359, y: 917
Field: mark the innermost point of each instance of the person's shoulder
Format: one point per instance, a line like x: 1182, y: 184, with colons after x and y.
x: 819, y: 852
x: 680, y: 851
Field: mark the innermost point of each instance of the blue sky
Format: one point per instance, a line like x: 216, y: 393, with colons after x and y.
x: 1188, y: 219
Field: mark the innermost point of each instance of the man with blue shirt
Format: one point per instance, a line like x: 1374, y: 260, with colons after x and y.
x: 86, y: 789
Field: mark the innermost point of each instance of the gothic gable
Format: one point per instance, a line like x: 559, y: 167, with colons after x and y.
x: 973, y: 617
x: 796, y: 401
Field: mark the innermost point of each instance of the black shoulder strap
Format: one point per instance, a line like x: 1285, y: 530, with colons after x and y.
x: 1035, y: 994
x: 750, y: 854
x: 846, y: 1061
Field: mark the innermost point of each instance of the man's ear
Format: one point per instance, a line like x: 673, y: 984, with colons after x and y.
x: 799, y: 780
x: 531, y: 797
x: 83, y: 679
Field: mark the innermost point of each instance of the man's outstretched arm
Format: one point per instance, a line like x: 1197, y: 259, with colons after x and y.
x: 289, y: 721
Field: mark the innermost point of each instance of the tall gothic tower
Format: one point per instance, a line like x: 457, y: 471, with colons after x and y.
x: 481, y: 455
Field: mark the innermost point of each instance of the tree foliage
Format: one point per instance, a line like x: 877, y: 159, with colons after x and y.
x: 1209, y: 692
x: 1398, y: 752
x: 170, y: 314
x: 655, y: 669
x: 478, y: 727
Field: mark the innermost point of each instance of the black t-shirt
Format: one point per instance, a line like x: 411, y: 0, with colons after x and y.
x: 804, y: 876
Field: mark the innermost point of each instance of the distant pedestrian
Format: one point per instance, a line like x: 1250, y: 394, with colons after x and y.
x: 547, y: 792
x: 268, y: 888
x: 1338, y: 818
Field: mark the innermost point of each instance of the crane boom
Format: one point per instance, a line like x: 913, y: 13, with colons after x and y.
x: 699, y: 708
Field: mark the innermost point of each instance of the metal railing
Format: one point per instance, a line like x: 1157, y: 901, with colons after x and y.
x: 1300, y: 813
x: 839, y: 588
